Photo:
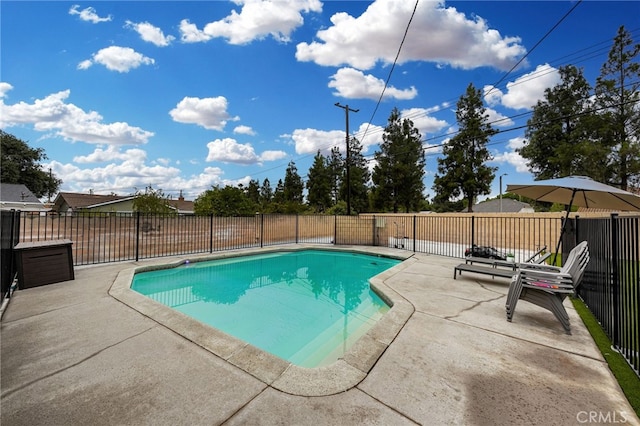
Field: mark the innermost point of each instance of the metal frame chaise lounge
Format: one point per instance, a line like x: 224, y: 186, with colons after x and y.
x: 548, y: 286
x: 496, y: 267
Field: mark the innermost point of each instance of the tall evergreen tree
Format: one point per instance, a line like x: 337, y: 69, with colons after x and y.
x: 335, y: 164
x: 293, y: 185
x: 617, y: 97
x: 266, y: 193
x: 253, y: 192
x: 462, y: 169
x: 559, y: 133
x: 359, y: 179
x: 397, y: 176
x: 278, y: 193
x: 319, y: 184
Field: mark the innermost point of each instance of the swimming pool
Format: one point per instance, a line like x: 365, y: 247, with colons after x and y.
x: 307, y: 307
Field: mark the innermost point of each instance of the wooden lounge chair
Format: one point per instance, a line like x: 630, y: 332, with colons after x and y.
x: 548, y: 286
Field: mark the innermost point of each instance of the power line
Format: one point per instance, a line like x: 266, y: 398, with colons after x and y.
x: 386, y: 83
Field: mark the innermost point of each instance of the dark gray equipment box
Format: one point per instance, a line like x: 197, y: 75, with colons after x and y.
x: 44, y: 262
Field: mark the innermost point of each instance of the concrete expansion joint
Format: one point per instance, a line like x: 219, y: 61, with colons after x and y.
x: 75, y: 364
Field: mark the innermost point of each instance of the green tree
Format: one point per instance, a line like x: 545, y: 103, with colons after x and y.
x: 293, y: 188
x: 151, y: 201
x: 227, y: 201
x: 253, y: 192
x: 617, y: 95
x: 20, y: 165
x: 560, y: 132
x: 319, y: 184
x: 462, y: 169
x: 336, y: 170
x: 397, y: 176
x: 266, y: 194
x: 359, y: 179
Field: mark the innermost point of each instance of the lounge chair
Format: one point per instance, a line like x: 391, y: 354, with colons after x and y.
x: 495, y: 268
x: 548, y: 286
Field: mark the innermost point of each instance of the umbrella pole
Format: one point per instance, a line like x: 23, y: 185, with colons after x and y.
x: 564, y: 224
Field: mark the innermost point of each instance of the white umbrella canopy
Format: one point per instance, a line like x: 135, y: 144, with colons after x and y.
x: 580, y: 191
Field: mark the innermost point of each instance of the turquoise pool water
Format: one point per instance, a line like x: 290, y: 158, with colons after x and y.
x: 307, y: 307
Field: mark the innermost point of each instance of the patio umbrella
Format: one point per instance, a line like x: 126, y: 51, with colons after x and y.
x: 580, y: 191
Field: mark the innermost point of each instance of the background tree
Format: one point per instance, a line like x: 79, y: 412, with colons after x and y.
x: 293, y: 190
x: 227, y: 201
x: 336, y: 169
x: 151, y: 201
x: 20, y: 165
x: 462, y: 169
x: 253, y: 192
x: 617, y: 95
x: 319, y: 184
x: 359, y: 179
x: 266, y: 194
x: 559, y: 133
x: 397, y: 176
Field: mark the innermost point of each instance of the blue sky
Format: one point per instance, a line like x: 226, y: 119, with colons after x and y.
x: 188, y: 95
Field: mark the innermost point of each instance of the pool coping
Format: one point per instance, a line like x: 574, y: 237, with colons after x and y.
x: 276, y: 372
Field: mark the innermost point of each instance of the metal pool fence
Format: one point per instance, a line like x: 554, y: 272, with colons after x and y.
x: 114, y: 237
x: 610, y: 287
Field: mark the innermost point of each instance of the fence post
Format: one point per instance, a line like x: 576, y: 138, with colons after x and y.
x: 261, y: 229
x: 473, y: 231
x: 335, y: 229
x: 297, y: 216
x: 415, y: 219
x: 211, y: 233
x: 137, y: 236
x: 615, y: 280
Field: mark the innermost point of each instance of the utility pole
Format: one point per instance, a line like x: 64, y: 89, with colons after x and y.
x: 504, y: 174
x: 348, y: 161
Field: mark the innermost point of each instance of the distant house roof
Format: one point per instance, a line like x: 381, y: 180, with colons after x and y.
x: 77, y: 201
x: 182, y: 205
x: 509, y: 205
x: 15, y: 196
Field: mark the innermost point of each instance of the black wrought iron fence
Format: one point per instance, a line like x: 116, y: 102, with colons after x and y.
x: 611, y: 284
x: 113, y: 237
x: 610, y: 287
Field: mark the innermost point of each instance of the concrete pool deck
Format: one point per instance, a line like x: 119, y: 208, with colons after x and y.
x: 77, y: 353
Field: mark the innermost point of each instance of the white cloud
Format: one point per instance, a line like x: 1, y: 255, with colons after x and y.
x: 525, y: 91
x: 244, y: 130
x: 497, y: 119
x: 422, y: 121
x: 150, y: 33
x: 512, y: 157
x: 272, y: 155
x: 210, y: 113
x: 437, y: 34
x: 112, y: 153
x: 309, y: 141
x: 228, y: 150
x: 88, y: 14
x: 353, y: 84
x: 4, y: 88
x: 257, y: 19
x: 116, y: 58
x: 70, y: 122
